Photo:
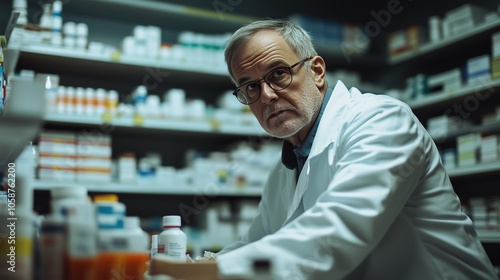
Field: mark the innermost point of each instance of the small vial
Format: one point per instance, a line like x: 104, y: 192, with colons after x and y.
x: 100, y: 101
x: 154, y: 245
x: 46, y: 19
x: 112, y: 101
x: 82, y: 32
x: 172, y: 241
x: 80, y: 101
x: 69, y: 29
x: 90, y: 100
x: 61, y: 100
x: 70, y: 100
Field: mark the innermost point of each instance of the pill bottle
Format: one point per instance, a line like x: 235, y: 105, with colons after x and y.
x: 172, y: 240
x: 123, y: 250
x: 154, y: 246
x: 111, y: 237
x: 53, y: 247
x: 73, y: 204
x: 110, y: 212
x: 134, y: 260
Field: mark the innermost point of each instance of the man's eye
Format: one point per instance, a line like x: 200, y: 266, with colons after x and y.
x: 278, y: 72
x: 251, y: 87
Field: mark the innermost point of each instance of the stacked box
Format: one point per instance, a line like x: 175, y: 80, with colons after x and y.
x: 467, y: 149
x: 440, y: 126
x: 478, y: 70
x: 462, y: 19
x: 57, y: 156
x: 445, y: 82
x: 404, y: 40
x: 489, y: 148
x: 479, y: 212
x: 495, y: 55
x: 93, y: 158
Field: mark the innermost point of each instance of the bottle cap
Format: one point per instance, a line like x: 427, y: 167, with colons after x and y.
x: 106, y: 198
x: 172, y: 220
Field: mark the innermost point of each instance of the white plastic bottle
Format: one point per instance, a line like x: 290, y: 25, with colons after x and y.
x: 52, y: 247
x: 172, y: 240
x: 154, y: 246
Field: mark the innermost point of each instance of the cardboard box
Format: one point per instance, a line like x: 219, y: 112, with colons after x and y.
x: 200, y: 270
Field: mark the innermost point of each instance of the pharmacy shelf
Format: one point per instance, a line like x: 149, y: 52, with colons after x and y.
x: 474, y: 170
x: 483, y: 29
x: 49, y: 58
x: 443, y: 98
x: 217, y: 16
x: 491, y: 128
x: 174, y: 125
x: 489, y: 236
x: 152, y: 188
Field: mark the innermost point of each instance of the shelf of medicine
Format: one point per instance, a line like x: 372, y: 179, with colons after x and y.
x: 486, y: 129
x: 480, y: 168
x: 436, y: 99
x: 105, y: 65
x: 219, y: 16
x: 482, y: 29
x: 196, y: 126
x: 152, y: 188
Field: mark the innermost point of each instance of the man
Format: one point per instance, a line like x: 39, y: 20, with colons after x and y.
x: 360, y: 191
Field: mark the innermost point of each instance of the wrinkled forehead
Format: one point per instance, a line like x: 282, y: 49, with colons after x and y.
x: 263, y: 48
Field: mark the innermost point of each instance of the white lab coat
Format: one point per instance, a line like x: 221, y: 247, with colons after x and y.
x: 373, y: 201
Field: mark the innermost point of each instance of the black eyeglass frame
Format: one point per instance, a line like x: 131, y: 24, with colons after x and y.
x: 289, y: 68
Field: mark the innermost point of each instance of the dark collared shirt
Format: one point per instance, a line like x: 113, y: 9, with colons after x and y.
x: 296, y: 157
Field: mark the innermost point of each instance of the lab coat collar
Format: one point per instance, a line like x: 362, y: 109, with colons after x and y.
x: 334, y: 112
x: 288, y: 157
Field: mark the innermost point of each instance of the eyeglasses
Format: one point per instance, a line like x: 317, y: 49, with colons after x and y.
x: 277, y: 79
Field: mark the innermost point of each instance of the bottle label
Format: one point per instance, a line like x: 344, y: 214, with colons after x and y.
x: 176, y: 247
x: 172, y: 244
x: 161, y: 249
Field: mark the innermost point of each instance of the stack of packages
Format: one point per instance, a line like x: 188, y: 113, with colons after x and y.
x: 495, y: 55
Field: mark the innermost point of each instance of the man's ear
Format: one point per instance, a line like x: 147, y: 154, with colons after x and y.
x: 318, y: 69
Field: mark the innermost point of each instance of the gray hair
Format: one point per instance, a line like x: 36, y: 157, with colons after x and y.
x: 297, y: 38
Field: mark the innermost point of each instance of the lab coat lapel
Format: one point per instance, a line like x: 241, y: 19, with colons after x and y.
x: 329, y: 122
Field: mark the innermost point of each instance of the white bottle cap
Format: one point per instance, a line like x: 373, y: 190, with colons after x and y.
x: 57, y: 6
x: 69, y: 28
x: 82, y: 29
x: 172, y: 221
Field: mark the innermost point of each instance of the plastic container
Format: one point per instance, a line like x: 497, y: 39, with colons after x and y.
x: 52, y: 247
x: 78, y: 213
x: 154, y: 246
x: 172, y: 240
x: 110, y: 213
x: 71, y: 202
x: 123, y: 251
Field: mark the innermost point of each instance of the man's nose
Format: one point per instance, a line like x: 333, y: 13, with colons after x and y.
x: 267, y: 93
